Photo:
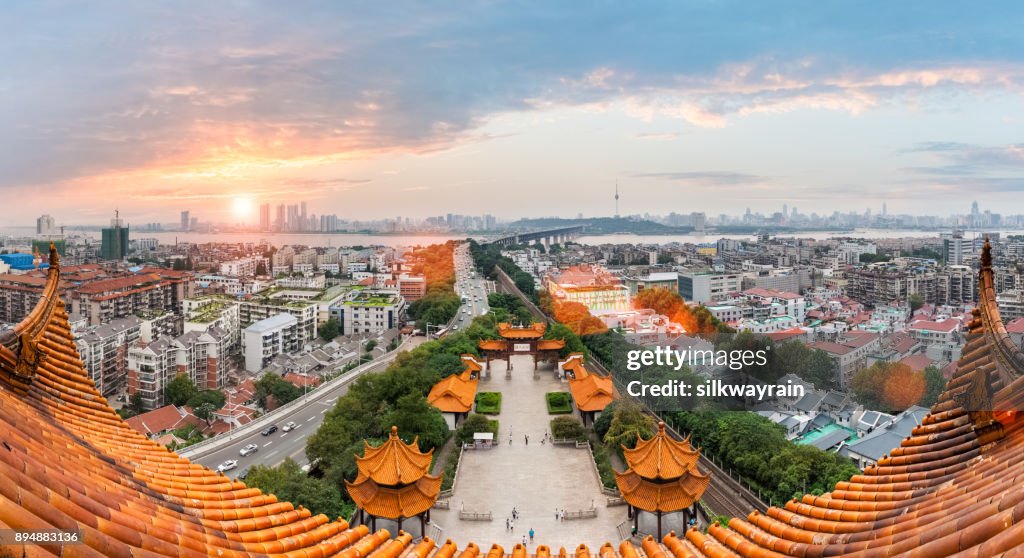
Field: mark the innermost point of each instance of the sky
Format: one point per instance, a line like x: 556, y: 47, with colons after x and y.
x: 381, y: 109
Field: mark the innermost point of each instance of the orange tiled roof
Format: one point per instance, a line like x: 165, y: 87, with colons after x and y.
x: 493, y: 345
x: 454, y: 394
x: 394, y: 502
x: 551, y: 344
x: 671, y: 496
x: 592, y: 392
x: 534, y: 331
x: 662, y: 457
x: 393, y: 462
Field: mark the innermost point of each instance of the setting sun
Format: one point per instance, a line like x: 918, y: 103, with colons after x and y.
x: 242, y: 207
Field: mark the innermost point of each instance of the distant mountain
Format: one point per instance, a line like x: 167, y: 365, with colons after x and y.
x: 599, y: 225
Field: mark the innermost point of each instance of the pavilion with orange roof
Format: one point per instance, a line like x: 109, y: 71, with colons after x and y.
x: 455, y: 394
x: 394, y: 483
x: 521, y: 340
x: 662, y: 478
x: 591, y: 393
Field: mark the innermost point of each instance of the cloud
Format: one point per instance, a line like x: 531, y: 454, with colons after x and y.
x: 718, y: 178
x: 215, y: 97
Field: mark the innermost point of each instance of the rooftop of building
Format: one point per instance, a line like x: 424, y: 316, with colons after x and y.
x: 271, y: 323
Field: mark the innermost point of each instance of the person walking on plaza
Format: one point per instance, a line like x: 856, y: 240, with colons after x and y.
x: 524, y: 540
x: 531, y: 534
x: 507, y: 523
x: 527, y: 438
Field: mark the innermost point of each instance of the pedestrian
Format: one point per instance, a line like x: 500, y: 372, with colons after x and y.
x: 506, y: 523
x: 557, y: 515
x: 531, y: 534
x: 512, y: 526
x: 509, y: 438
x: 527, y: 439
x: 524, y: 540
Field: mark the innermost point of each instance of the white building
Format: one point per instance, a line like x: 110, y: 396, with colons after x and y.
x: 242, y: 267
x: 369, y: 312
x: 267, y: 338
x: 704, y: 287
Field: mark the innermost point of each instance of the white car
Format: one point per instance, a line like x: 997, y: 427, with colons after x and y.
x: 289, y: 427
x: 227, y: 465
x: 248, y: 450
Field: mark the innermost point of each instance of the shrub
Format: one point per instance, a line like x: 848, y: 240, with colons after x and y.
x: 570, y: 428
x: 488, y: 402
x: 604, y: 465
x: 475, y: 423
x: 558, y: 403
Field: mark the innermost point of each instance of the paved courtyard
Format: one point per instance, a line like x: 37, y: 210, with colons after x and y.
x: 536, y: 478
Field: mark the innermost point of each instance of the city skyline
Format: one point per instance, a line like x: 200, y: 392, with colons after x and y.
x: 421, y: 110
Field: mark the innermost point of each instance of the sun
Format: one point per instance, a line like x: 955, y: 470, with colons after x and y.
x: 242, y: 206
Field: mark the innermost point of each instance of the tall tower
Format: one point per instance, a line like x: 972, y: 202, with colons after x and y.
x: 616, y: 198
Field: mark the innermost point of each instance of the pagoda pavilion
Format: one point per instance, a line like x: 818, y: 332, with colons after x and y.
x: 521, y: 340
x: 455, y: 394
x: 590, y: 392
x: 662, y: 478
x: 393, y: 483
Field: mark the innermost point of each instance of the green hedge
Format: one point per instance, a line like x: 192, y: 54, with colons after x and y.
x: 488, y: 402
x: 568, y: 428
x: 604, y: 465
x: 558, y: 403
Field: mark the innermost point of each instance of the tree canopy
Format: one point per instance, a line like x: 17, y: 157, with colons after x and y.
x: 178, y: 391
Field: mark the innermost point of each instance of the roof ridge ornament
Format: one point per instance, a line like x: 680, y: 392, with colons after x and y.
x: 986, y: 255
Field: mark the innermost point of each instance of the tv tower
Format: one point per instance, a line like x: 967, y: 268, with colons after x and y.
x: 616, y: 198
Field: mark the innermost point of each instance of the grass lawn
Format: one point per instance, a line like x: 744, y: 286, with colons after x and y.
x: 558, y: 403
x: 488, y: 402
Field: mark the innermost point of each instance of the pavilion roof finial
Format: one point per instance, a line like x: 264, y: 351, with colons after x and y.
x: 986, y: 255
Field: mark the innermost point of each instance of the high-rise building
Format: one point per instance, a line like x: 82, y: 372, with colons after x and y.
x: 281, y: 221
x: 303, y: 223
x: 265, y: 217
x: 185, y: 222
x: 45, y: 226
x: 114, y: 244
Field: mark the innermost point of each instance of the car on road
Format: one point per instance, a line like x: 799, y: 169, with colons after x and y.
x: 242, y: 474
x: 269, y: 430
x: 455, y: 327
x: 227, y: 465
x: 290, y: 426
x: 248, y: 450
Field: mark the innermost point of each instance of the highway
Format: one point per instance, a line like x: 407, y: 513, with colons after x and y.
x: 276, y: 447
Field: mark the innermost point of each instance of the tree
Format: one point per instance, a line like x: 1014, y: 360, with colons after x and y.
x: 179, y: 390
x: 415, y: 417
x: 371, y: 345
x: 135, y: 403
x: 329, y: 329
x: 261, y: 268
x: 271, y: 384
x: 934, y: 385
x: 889, y: 386
x: 629, y: 423
x: 916, y: 302
x: 290, y: 484
x: 205, y: 403
x: 604, y: 420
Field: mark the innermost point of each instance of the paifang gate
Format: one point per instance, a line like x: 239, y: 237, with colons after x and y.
x: 521, y: 340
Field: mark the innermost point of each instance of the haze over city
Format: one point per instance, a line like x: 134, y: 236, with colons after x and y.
x: 417, y: 110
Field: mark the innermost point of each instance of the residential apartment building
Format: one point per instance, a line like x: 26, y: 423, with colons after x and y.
x: 369, y: 311
x: 222, y: 312
x: 267, y: 338
x: 261, y: 307
x: 104, y: 352
x: 150, y: 289
x: 705, y: 287
x: 199, y: 355
x: 941, y: 340
x: 242, y: 267
x: 1011, y: 304
x: 849, y: 353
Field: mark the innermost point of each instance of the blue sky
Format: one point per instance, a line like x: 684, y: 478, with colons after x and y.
x: 376, y: 110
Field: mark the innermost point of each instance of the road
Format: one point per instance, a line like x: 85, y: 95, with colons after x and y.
x: 471, y: 287
x: 278, y: 446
